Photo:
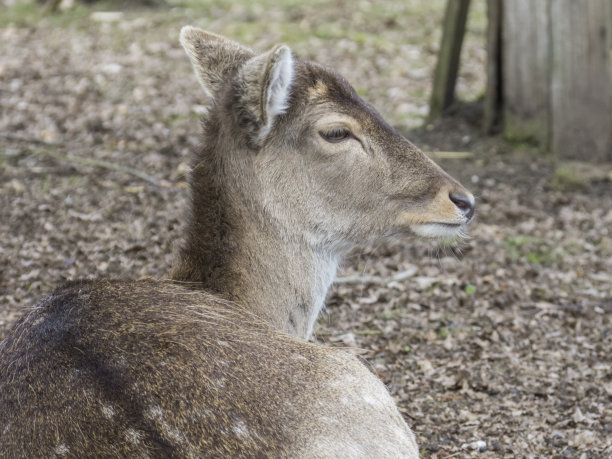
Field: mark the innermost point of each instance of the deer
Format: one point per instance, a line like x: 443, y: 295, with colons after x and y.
x: 294, y: 171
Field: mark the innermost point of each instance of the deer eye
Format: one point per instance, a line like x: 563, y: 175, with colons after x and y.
x: 335, y: 135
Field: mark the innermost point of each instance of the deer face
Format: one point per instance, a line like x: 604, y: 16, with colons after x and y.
x: 324, y: 162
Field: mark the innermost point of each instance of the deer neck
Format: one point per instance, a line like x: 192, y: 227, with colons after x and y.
x: 233, y: 249
x: 281, y: 280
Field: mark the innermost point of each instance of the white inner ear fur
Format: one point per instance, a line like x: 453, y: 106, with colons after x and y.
x: 279, y: 88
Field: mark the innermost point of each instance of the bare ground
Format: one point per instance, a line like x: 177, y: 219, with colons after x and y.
x: 508, y: 342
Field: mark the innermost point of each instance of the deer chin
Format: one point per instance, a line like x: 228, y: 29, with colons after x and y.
x: 439, y: 230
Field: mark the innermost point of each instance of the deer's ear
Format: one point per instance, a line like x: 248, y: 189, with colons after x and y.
x: 276, y: 85
x: 214, y: 58
x: 265, y: 86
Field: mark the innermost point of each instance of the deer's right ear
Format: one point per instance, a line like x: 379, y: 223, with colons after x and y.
x: 214, y: 58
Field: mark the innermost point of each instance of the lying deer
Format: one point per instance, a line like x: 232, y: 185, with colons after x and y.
x: 294, y: 171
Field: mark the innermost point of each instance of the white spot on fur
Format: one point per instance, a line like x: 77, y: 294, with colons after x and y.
x: 38, y: 321
x: 173, y: 433
x: 62, y: 449
x: 6, y: 429
x: 132, y: 435
x: 241, y: 430
x: 108, y: 411
x: 371, y: 400
x: 155, y: 412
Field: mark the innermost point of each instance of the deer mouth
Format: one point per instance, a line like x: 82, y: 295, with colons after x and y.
x: 439, y: 230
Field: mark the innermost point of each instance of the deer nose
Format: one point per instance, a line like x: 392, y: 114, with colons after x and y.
x: 464, y: 203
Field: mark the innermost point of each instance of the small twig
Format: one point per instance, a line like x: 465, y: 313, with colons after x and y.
x: 403, y: 275
x: 29, y: 139
x: 450, y: 154
x: 99, y: 163
x: 78, y: 159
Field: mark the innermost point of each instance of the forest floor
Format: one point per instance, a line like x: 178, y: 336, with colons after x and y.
x: 505, y: 341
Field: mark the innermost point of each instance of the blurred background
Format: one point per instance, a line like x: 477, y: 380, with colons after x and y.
x: 500, y: 347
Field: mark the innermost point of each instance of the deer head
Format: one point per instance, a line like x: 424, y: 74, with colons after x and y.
x: 305, y: 170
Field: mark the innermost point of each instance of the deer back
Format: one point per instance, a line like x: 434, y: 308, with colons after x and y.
x: 149, y: 369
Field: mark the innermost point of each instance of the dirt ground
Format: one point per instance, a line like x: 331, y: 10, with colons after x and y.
x: 505, y: 340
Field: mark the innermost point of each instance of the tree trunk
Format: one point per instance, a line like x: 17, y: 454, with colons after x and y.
x: 526, y: 70
x: 556, y: 76
x: 493, y: 96
x: 447, y: 67
x: 580, y: 80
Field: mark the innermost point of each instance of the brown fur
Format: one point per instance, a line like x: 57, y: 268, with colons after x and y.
x: 209, y: 368
x: 137, y: 369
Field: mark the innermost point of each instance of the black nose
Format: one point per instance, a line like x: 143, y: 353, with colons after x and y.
x: 465, y: 204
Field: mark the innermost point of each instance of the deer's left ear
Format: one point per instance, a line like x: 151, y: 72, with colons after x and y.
x: 265, y: 87
x: 214, y: 58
